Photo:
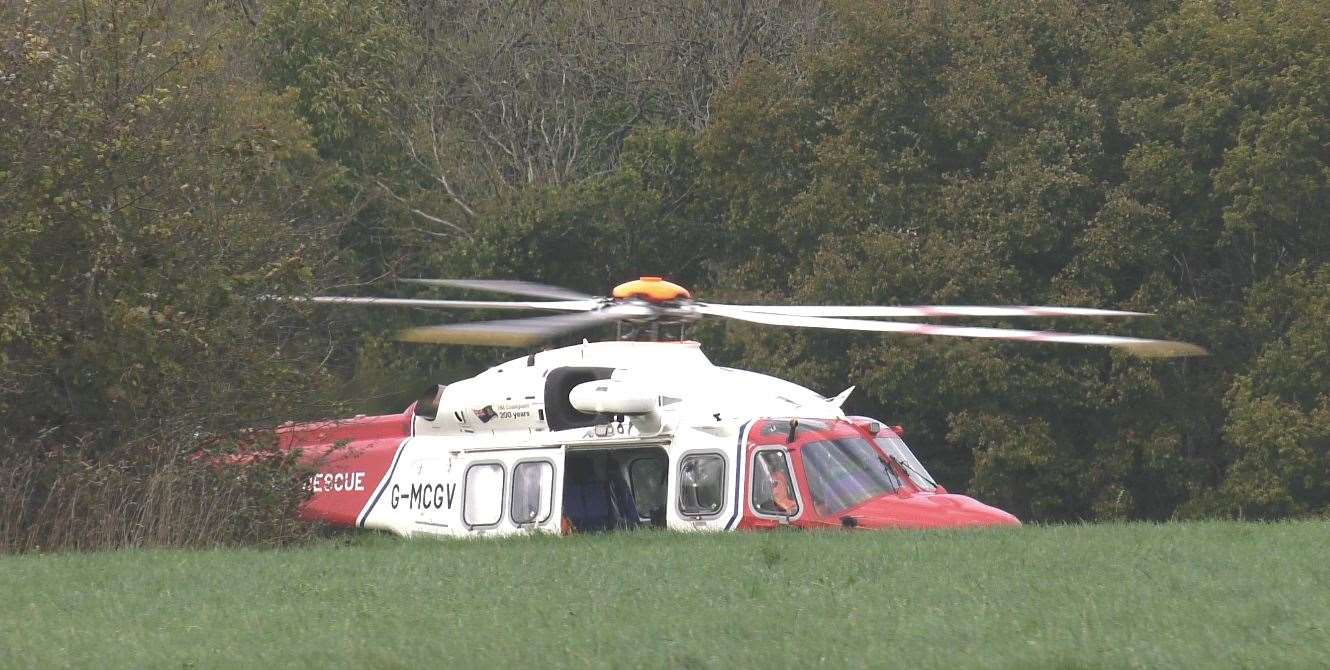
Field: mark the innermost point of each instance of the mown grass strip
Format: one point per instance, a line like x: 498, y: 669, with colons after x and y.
x: 1135, y: 595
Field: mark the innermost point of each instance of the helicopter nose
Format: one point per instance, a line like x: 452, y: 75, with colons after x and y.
x: 966, y: 511
x: 998, y: 517
x: 939, y: 510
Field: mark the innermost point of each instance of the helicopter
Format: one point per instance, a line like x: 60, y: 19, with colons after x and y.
x: 640, y: 432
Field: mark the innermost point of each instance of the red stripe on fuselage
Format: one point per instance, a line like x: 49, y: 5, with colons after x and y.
x: 350, y: 459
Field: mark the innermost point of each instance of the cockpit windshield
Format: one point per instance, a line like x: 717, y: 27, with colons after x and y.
x: 895, y: 446
x: 843, y: 464
x: 845, y: 471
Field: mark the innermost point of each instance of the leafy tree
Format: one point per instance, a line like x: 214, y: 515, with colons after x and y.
x: 169, y: 165
x: 1278, y: 425
x: 151, y: 195
x: 1047, y: 153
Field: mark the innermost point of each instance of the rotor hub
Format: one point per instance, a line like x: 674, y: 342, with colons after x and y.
x: 651, y: 289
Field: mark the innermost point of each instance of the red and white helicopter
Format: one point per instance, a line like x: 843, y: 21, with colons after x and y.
x: 639, y: 432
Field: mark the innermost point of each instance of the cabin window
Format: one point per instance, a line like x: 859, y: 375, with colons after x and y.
x: 483, y: 495
x: 647, y: 479
x: 701, y: 484
x: 773, y: 491
x: 533, y: 492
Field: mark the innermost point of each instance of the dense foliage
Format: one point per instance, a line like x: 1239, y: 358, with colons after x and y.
x: 150, y: 195
x: 170, y: 163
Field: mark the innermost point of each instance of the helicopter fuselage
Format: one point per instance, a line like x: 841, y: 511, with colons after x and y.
x: 611, y: 435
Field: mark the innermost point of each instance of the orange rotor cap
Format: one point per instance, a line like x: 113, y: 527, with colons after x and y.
x: 650, y: 289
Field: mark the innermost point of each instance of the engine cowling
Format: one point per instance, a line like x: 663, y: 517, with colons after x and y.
x: 612, y: 396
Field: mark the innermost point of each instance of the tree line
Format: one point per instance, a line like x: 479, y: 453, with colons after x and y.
x: 170, y: 164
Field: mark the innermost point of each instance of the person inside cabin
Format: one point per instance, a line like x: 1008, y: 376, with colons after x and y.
x: 773, y: 491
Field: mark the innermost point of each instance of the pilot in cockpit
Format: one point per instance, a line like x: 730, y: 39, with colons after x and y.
x: 773, y: 490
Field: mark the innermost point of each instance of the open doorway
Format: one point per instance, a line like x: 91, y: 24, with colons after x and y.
x: 615, y: 489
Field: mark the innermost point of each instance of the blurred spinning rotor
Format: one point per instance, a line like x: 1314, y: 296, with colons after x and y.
x: 650, y: 302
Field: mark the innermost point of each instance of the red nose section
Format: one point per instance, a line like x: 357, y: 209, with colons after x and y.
x: 941, y: 510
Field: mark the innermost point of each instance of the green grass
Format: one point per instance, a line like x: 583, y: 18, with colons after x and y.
x: 1194, y: 595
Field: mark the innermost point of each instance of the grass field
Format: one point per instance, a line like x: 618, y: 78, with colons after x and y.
x: 1192, y: 595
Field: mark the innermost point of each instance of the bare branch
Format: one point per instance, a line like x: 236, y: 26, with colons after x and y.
x: 424, y: 215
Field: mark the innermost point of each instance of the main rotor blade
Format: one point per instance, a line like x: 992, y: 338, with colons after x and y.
x: 514, y: 332
x: 506, y: 286
x: 1137, y: 346
x: 926, y: 310
x: 557, y: 306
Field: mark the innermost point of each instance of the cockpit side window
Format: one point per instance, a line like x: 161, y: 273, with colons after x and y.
x: 773, y: 490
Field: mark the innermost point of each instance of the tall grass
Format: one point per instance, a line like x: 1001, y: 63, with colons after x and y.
x: 153, y: 496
